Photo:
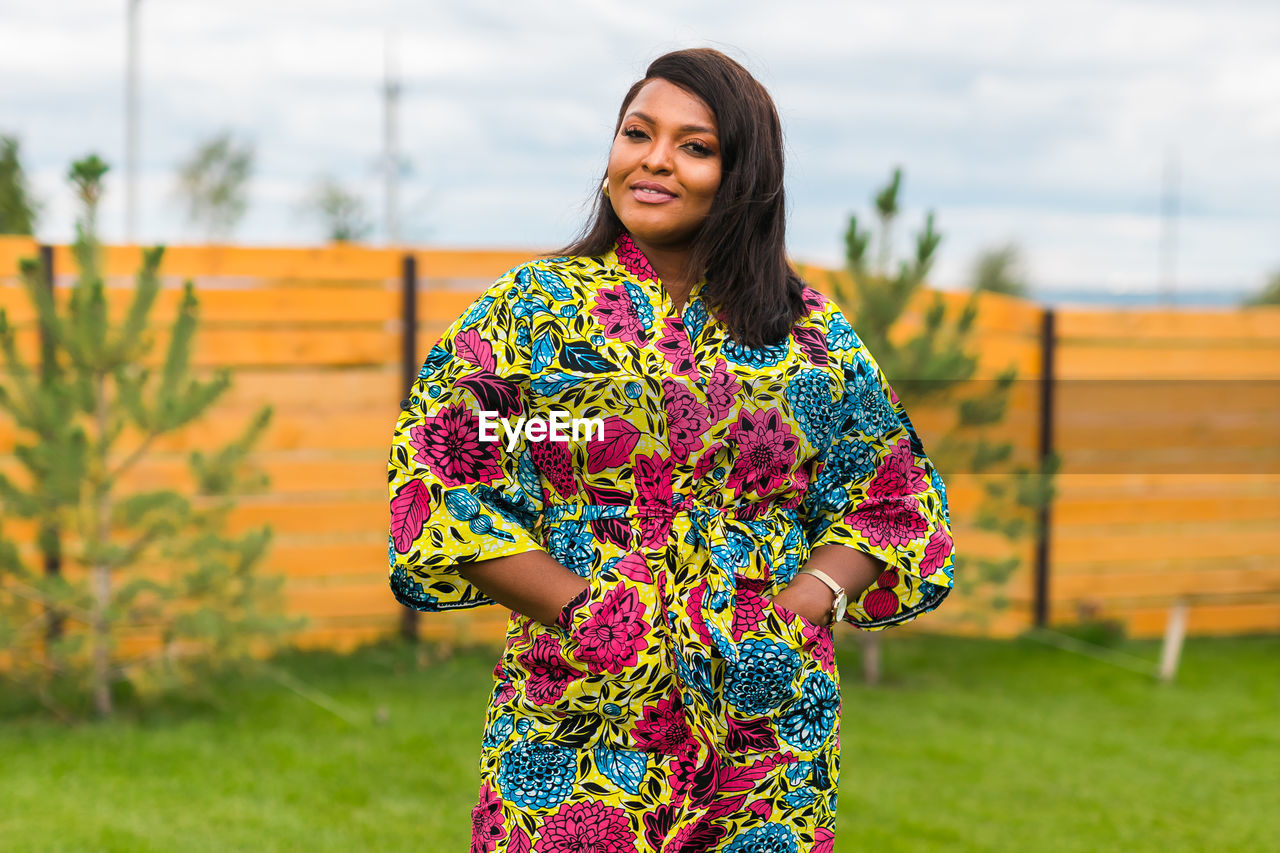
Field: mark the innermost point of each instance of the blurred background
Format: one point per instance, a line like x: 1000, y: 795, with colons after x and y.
x: 1054, y: 226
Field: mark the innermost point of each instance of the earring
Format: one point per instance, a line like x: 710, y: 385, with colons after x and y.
x: 604, y: 187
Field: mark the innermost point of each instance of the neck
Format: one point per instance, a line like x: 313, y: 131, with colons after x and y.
x: 669, y: 265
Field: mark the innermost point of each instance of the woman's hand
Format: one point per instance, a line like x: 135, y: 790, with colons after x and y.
x: 810, y: 598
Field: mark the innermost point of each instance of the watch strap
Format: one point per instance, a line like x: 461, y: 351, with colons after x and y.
x: 825, y: 578
x: 836, y: 590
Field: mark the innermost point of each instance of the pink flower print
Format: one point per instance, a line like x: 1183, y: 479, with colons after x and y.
x: 553, y: 460
x: 449, y: 444
x: 707, y: 460
x: 898, y: 476
x: 630, y: 256
x: 686, y: 418
x: 681, y: 769
x: 812, y: 298
x: 721, y: 391
x: 486, y: 821
x: 614, y: 450
x: 812, y: 343
x: 663, y: 727
x: 757, y: 734
x: 653, y: 504
x: 410, y: 511
x: 824, y: 840
x: 611, y: 637
x: 693, y: 608
x: 658, y: 823
x: 894, y: 521
x: 880, y: 603
x: 549, y: 674
x: 766, y: 452
x: 697, y: 837
x: 818, y: 642
x: 594, y: 826
x: 748, y: 609
x: 799, y: 485
x: 761, y: 808
x: 675, y: 347
x: 936, y: 552
x: 617, y: 313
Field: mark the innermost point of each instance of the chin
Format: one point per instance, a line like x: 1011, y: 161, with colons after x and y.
x: 656, y: 234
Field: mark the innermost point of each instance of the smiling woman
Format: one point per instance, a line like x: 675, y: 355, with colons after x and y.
x: 669, y: 680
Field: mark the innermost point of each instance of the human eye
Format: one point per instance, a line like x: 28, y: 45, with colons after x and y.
x: 699, y: 149
x: 634, y: 133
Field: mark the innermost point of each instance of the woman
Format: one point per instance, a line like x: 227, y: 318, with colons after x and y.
x: 675, y: 567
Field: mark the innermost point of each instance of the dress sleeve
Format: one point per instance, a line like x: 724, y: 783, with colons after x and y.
x: 876, y: 491
x: 460, y: 490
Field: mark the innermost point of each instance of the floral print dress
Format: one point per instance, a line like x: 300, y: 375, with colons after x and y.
x: 672, y: 707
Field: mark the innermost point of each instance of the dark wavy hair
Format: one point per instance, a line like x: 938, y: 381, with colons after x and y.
x: 741, y: 246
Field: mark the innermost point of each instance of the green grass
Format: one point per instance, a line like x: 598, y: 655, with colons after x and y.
x: 970, y: 745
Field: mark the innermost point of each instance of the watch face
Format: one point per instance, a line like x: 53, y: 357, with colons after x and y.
x: 842, y: 602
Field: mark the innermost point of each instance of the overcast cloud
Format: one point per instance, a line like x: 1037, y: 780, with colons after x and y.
x: 1041, y: 122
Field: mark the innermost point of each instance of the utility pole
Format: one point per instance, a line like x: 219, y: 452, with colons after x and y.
x: 1169, y: 227
x: 131, y: 124
x: 390, y: 146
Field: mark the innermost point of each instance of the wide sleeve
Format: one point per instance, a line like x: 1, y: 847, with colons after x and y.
x: 876, y: 491
x: 462, y: 489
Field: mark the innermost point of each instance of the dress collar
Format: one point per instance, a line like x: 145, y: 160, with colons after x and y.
x: 627, y: 256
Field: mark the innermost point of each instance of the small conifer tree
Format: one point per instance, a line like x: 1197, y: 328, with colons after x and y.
x: 937, y: 365
x: 127, y: 561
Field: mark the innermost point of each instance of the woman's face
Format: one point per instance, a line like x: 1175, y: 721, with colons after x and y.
x: 664, y: 166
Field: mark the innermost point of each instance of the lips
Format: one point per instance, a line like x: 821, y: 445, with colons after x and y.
x: 643, y: 188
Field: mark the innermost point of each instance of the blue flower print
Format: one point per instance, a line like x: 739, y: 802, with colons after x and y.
x: 536, y: 775
x: 761, y: 678
x: 770, y: 838
x: 641, y: 302
x: 765, y: 356
x: 570, y: 543
x: 810, y: 397
x: 811, y: 717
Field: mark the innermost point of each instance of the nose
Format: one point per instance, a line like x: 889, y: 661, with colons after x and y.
x: 658, y: 157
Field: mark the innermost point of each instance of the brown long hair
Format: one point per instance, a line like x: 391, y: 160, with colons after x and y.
x: 741, y: 246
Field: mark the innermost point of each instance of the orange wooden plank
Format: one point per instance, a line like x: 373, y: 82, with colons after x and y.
x: 1161, y: 509
x: 1218, y: 542
x: 1162, y: 584
x: 1140, y: 486
x: 361, y: 345
x: 1195, y: 327
x: 274, y: 306
x: 288, y: 430
x: 1169, y: 362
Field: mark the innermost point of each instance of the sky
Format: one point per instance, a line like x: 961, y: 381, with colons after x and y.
x: 1061, y: 127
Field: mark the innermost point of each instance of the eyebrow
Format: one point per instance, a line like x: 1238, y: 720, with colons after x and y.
x: 688, y: 128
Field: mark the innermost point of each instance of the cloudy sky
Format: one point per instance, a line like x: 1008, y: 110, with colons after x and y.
x: 1046, y: 123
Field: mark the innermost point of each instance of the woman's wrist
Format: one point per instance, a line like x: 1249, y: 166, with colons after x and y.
x: 565, y: 619
x: 809, y: 597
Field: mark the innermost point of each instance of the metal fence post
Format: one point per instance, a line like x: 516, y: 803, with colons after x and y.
x: 408, y: 374
x: 1048, y: 341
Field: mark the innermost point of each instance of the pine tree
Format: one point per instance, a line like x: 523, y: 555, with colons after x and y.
x: 339, y: 210
x: 213, y: 183
x: 150, y: 560
x: 934, y: 367
x: 17, y: 209
x: 999, y: 270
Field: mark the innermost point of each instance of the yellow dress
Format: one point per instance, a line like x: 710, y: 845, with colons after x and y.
x: 673, y: 707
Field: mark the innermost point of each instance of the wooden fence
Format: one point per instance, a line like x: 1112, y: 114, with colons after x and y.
x: 1166, y: 423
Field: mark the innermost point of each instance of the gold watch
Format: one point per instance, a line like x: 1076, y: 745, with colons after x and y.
x: 842, y: 600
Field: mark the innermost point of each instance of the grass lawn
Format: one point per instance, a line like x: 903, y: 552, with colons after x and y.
x: 970, y: 745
